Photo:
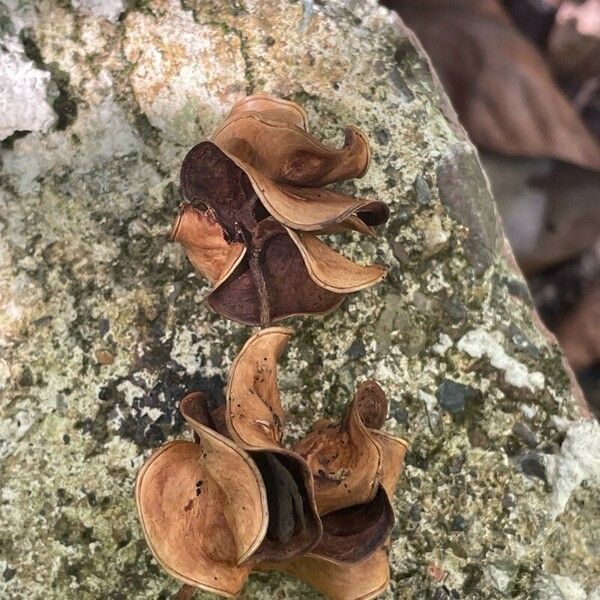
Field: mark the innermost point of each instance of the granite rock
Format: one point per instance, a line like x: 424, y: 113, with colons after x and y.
x: 86, y: 274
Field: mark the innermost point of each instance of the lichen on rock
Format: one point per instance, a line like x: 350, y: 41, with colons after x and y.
x: 495, y: 476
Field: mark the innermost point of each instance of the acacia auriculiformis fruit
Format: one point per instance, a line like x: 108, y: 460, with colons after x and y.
x: 203, y: 510
x: 238, y: 500
x: 350, y: 561
x: 255, y: 203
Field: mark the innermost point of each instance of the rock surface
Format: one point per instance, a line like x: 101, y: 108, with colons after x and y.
x: 24, y: 88
x: 102, y: 325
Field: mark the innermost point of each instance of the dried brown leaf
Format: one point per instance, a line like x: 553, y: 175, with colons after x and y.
x: 579, y: 332
x: 573, y: 45
x: 498, y: 82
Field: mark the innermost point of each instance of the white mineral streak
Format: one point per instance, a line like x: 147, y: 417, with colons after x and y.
x: 107, y: 9
x: 529, y: 412
x: 428, y: 399
x: 130, y: 391
x: 594, y: 594
x: 23, y: 91
x: 12, y: 430
x: 153, y: 413
x: 478, y: 343
x: 443, y: 344
x: 435, y: 235
x: 104, y: 134
x: 579, y: 459
x: 499, y: 579
x: 571, y: 590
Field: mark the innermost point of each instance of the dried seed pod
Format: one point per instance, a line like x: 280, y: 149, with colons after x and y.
x: 345, y: 461
x: 336, y: 580
x: 355, y: 469
x: 204, y: 243
x: 254, y: 412
x: 351, y: 562
x: 273, y: 108
x: 203, y: 510
x: 353, y: 533
x: 331, y: 270
x: 236, y: 500
x: 271, y: 136
x: 260, y: 180
x: 371, y: 403
x: 393, y: 450
x: 254, y: 418
x: 373, y: 406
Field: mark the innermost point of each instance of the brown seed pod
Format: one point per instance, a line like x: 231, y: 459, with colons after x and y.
x: 260, y: 179
x: 203, y: 510
x: 336, y: 580
x: 353, y: 533
x: 355, y: 469
x: 254, y: 418
x: 346, y: 457
x: 236, y: 500
x: 345, y: 460
x: 205, y: 246
x: 271, y: 136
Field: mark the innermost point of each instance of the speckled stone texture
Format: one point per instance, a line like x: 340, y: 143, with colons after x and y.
x: 103, y: 327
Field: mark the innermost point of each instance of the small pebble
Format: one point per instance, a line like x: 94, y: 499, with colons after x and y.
x: 414, y: 513
x: 435, y: 235
x: 400, y: 414
x: 151, y: 313
x: 524, y: 433
x: 103, y: 326
x: 533, y: 465
x: 457, y: 464
x: 421, y: 189
x: 436, y: 572
x: 400, y: 254
x: 508, y: 501
x: 452, y: 395
x: 356, y: 350
x: 104, y: 357
x: 478, y: 438
x: 458, y: 523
